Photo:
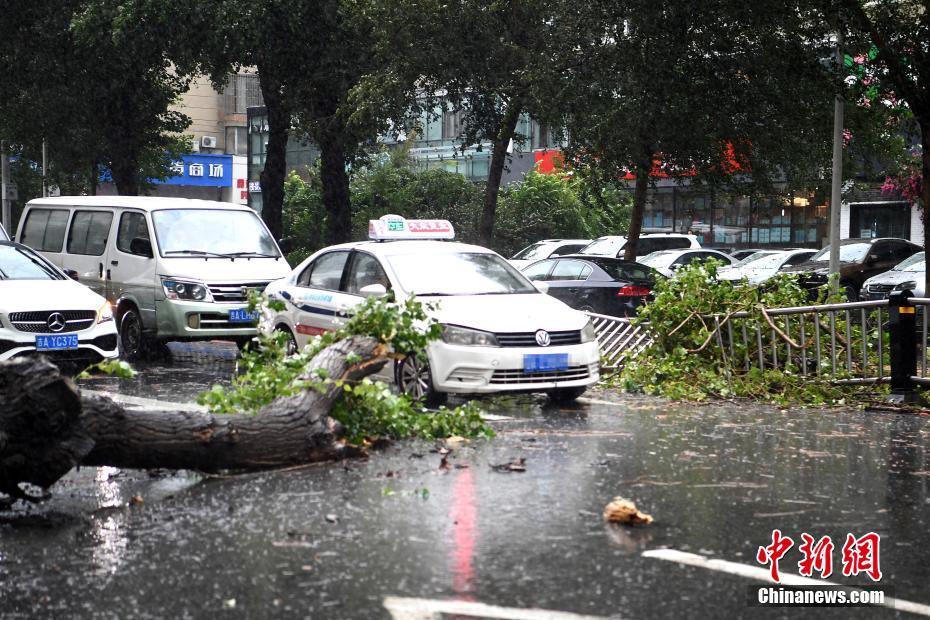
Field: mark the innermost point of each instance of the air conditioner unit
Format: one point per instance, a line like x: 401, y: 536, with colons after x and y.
x: 208, y: 142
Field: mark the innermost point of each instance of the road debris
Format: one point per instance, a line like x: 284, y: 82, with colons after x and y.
x: 514, y: 465
x: 624, y: 511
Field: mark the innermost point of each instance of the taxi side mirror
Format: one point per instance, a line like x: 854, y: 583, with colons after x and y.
x: 373, y: 290
x: 542, y: 287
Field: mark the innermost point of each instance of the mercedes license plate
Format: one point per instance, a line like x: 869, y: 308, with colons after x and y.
x: 57, y: 343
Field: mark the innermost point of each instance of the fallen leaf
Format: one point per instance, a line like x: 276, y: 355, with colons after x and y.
x: 515, y: 465
x: 332, y: 518
x: 136, y: 500
x: 624, y: 511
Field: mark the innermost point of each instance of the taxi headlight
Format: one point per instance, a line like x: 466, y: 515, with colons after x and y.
x: 105, y: 313
x: 905, y: 286
x: 180, y: 289
x: 453, y: 334
x: 587, y: 333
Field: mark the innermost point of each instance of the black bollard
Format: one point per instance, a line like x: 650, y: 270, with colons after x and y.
x: 902, y: 327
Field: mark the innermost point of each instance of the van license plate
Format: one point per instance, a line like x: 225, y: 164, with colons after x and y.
x: 543, y: 362
x: 57, y: 343
x: 242, y: 315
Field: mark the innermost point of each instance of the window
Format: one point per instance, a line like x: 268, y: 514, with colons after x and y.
x: 365, y: 271
x: 570, y: 270
x: 325, y: 272
x: 571, y: 248
x: 131, y: 226
x: 45, y: 229
x: 648, y: 245
x: 89, y: 232
x: 538, y: 271
x: 797, y: 259
x: 237, y: 141
x: 451, y: 124
x: 882, y: 252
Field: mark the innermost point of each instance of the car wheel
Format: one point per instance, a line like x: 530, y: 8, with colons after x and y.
x: 291, y: 340
x: 563, y: 396
x: 413, y: 378
x: 131, y: 338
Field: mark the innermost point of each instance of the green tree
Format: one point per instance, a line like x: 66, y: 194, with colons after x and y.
x: 899, y: 33
x: 732, y: 92
x: 96, y: 86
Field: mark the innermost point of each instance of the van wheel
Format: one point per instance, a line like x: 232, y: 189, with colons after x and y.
x: 413, y: 378
x: 131, y: 339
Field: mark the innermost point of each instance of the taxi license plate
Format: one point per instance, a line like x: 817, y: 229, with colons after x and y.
x: 56, y: 343
x: 242, y: 315
x: 543, y: 362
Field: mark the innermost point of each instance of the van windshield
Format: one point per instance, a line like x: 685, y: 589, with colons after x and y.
x: 212, y: 232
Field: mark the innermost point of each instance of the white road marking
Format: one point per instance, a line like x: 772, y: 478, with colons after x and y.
x: 762, y: 574
x: 431, y: 609
x: 147, y: 404
x: 596, y: 401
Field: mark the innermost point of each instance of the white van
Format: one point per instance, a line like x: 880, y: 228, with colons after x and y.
x: 173, y: 268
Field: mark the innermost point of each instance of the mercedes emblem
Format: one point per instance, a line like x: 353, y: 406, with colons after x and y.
x: 56, y: 322
x: 542, y: 338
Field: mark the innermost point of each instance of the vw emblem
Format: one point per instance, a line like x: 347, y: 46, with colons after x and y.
x: 56, y: 322
x: 542, y: 338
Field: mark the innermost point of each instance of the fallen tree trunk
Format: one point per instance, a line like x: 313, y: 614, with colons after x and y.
x: 47, y: 427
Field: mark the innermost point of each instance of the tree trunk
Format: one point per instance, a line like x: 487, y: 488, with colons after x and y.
x: 925, y: 191
x: 47, y: 427
x: 496, y: 171
x: 643, y: 169
x: 275, y: 169
x: 337, y: 199
x: 125, y: 173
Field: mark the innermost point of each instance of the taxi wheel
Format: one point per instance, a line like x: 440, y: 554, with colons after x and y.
x: 563, y: 396
x: 291, y: 340
x: 413, y: 378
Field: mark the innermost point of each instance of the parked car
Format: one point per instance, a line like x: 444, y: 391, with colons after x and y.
x: 908, y: 275
x: 545, y: 249
x: 500, y: 334
x: 613, y: 246
x: 860, y: 259
x: 596, y: 283
x: 760, y: 267
x: 667, y: 262
x: 173, y: 268
x: 43, y: 310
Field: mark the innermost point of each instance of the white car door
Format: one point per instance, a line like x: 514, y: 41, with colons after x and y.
x: 316, y: 302
x: 86, y: 247
x: 131, y: 266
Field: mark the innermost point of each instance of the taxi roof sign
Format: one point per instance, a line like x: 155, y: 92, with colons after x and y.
x: 394, y: 227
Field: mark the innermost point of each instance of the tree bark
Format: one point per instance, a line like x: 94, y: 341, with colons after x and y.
x: 337, y: 199
x: 47, y: 427
x: 273, y: 173
x: 125, y: 174
x: 496, y: 171
x: 640, y: 189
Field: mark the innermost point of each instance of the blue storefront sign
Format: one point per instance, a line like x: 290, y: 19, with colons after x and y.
x: 201, y: 170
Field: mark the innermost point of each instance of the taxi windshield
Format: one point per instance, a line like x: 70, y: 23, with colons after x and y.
x: 212, y: 232
x: 17, y: 263
x: 459, y: 273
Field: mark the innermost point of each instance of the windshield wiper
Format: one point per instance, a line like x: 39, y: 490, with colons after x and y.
x: 435, y: 294
x: 251, y: 254
x: 196, y: 253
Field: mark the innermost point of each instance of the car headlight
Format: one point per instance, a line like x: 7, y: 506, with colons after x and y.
x: 453, y: 334
x: 905, y: 286
x: 180, y: 289
x: 587, y: 333
x: 105, y: 313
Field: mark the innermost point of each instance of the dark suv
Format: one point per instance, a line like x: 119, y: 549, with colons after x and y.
x: 859, y: 260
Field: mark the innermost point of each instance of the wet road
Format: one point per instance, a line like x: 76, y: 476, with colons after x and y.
x: 334, y: 540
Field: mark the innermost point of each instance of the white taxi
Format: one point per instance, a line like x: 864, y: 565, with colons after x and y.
x: 500, y: 334
x: 43, y: 310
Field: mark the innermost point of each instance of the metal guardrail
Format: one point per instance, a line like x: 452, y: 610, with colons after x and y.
x: 618, y: 339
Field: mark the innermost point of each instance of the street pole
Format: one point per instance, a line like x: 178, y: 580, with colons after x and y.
x: 835, y: 196
x: 6, y: 211
x: 44, y: 170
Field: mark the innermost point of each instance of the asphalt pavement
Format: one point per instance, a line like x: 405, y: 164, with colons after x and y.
x: 441, y: 530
